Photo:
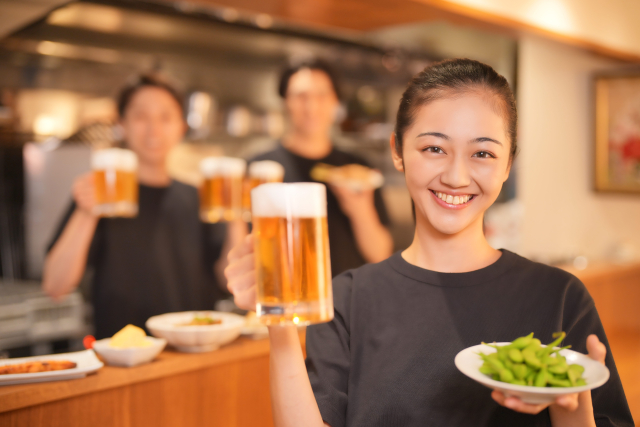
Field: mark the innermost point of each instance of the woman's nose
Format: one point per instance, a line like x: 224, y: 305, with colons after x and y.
x: 456, y: 174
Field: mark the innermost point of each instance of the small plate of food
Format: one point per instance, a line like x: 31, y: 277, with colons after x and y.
x: 129, y: 347
x: 353, y: 176
x: 53, y: 367
x: 533, y: 372
x: 196, y: 331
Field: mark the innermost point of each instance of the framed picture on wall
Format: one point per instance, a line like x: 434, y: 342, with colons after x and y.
x: 617, y: 157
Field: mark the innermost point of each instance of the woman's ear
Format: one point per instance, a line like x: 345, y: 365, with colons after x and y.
x: 398, y: 163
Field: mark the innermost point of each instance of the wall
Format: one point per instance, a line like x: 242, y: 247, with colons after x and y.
x: 611, y: 23
x: 563, y: 216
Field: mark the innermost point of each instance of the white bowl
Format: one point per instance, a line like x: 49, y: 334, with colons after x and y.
x: 129, y: 356
x: 196, y: 339
x: 595, y: 374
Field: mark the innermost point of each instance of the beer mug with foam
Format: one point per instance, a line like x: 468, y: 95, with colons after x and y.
x: 292, y: 253
x: 116, y: 182
x: 260, y: 172
x: 221, y: 190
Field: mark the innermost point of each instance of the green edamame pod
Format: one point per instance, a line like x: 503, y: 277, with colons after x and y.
x: 580, y: 382
x: 522, y: 342
x: 541, y: 378
x: 505, y: 376
x: 531, y: 376
x: 560, y: 368
x: 487, y: 370
x: 515, y: 355
x: 556, y: 382
x: 574, y: 373
x: 549, y: 348
x: 518, y: 382
x: 531, y: 359
x: 519, y: 371
x: 502, y: 354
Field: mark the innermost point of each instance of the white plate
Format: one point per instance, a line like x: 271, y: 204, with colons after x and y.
x: 86, y: 360
x: 196, y: 339
x: 595, y: 373
x: 129, y: 356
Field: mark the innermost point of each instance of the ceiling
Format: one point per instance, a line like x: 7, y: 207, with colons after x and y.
x: 15, y: 14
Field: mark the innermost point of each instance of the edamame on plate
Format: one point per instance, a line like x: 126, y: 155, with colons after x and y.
x: 527, y: 369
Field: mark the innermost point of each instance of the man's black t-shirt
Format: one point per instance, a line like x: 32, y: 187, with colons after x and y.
x: 342, y: 242
x: 387, y: 358
x: 158, y: 262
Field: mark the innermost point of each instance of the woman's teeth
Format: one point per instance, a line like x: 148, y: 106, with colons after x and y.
x: 453, y: 200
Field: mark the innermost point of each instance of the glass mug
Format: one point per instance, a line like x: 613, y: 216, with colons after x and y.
x: 292, y: 253
x: 260, y: 172
x: 115, y: 182
x: 221, y: 190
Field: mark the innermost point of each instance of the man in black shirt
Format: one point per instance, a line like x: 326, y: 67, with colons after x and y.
x: 357, y: 221
x: 160, y: 261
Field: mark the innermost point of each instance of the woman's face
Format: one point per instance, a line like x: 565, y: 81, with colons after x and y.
x: 311, y: 102
x: 152, y: 124
x: 455, y: 159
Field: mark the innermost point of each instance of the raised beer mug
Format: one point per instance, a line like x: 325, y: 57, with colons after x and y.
x: 292, y: 253
x: 221, y: 190
x: 115, y: 182
x: 260, y: 172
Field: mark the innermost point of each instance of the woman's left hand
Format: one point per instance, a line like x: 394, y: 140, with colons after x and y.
x: 568, y: 402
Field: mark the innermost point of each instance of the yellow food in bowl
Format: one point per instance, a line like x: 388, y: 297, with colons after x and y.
x: 130, y: 337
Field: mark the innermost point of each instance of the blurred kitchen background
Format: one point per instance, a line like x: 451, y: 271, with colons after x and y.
x: 62, y: 63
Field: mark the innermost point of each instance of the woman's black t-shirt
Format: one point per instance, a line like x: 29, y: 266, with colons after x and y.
x: 387, y: 358
x: 343, y: 248
x: 158, y: 262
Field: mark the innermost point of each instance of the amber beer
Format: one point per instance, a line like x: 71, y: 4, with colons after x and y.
x: 115, y: 182
x: 292, y: 253
x: 221, y: 190
x: 260, y: 172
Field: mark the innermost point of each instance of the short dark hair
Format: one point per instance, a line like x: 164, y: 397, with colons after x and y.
x: 147, y: 80
x: 316, y: 64
x: 455, y: 75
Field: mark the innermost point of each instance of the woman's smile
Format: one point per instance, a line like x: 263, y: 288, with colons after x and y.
x: 452, y: 200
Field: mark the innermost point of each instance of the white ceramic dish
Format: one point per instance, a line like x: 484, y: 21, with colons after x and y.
x: 129, y: 356
x: 595, y: 373
x: 86, y: 360
x: 196, y: 339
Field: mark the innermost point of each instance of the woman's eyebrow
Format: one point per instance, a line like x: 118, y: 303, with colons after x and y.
x: 436, y: 134
x: 485, y: 139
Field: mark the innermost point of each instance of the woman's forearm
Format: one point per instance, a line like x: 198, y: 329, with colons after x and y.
x: 66, y: 262
x: 372, y: 238
x: 581, y: 417
x: 292, y: 398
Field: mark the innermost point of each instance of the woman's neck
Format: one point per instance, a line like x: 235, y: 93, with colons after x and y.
x: 467, y: 250
x: 153, y: 175
x: 314, y: 146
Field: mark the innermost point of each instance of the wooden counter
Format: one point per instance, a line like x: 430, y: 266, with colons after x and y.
x: 228, y: 387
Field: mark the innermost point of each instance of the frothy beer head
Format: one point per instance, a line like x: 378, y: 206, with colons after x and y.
x: 223, y: 166
x: 299, y: 200
x: 114, y: 158
x: 266, y: 170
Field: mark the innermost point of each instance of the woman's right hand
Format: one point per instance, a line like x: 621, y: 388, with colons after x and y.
x: 240, y: 274
x: 84, y: 193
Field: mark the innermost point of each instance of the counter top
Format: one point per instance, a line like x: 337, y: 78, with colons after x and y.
x: 168, y: 363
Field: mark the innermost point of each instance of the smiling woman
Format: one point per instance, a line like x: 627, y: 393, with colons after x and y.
x: 387, y: 357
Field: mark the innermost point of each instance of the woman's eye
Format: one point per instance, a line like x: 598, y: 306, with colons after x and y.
x: 484, y: 155
x: 436, y: 150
